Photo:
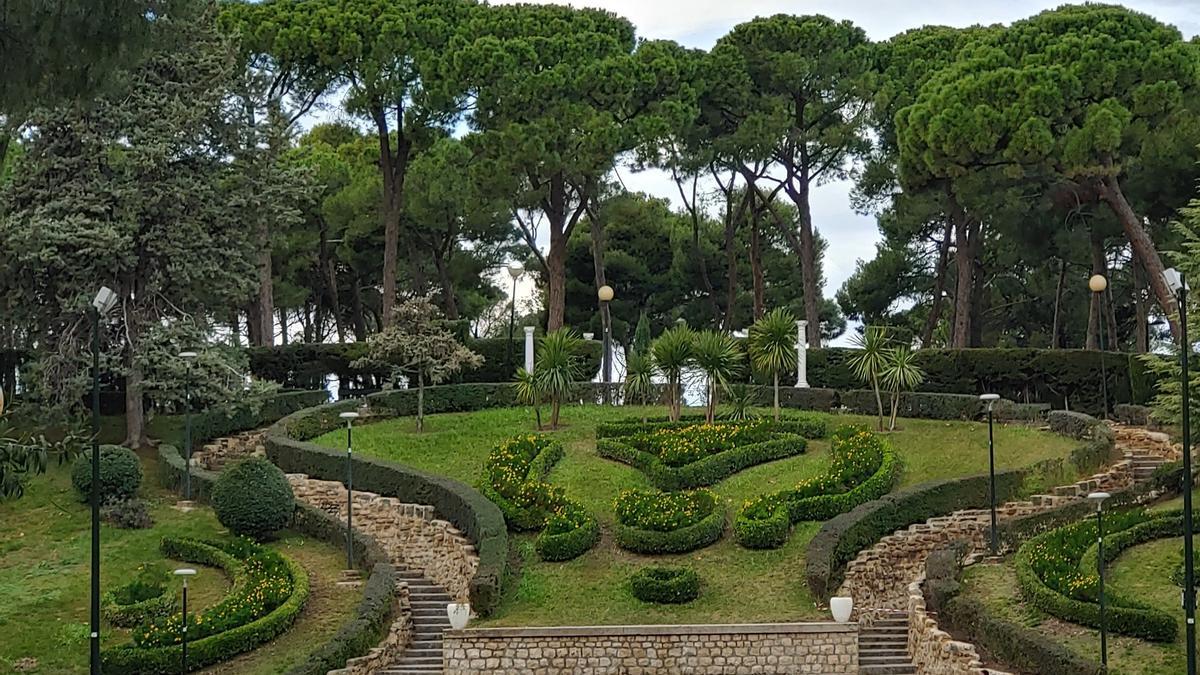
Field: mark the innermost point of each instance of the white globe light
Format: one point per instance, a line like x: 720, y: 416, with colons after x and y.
x: 515, y: 269
x: 605, y: 293
x: 1097, y: 283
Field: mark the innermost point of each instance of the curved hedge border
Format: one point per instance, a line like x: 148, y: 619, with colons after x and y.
x: 130, y: 660
x: 772, y: 530
x: 570, y: 532
x: 707, y: 470
x: 704, y: 532
x: 527, y: 473
x: 809, y: 425
x: 1124, y: 616
x: 665, y: 585
x: 128, y: 616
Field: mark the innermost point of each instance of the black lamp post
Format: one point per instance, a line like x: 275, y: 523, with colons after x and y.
x: 188, y: 358
x: 184, y: 573
x: 515, y: 270
x: 605, y: 295
x: 103, y: 303
x: 1097, y: 283
x: 991, y: 399
x: 1178, y: 285
x: 349, y: 417
x: 1098, y: 498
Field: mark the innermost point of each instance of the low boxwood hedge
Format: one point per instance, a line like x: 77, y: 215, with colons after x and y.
x: 671, y: 522
x: 665, y: 585
x: 514, y: 478
x: 865, y: 467
x: 372, y: 618
x: 214, y: 648
x: 923, y: 405
x: 809, y: 425
x: 570, y: 531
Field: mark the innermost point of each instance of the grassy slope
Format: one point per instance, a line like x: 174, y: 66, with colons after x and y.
x: 740, y: 584
x: 44, y: 562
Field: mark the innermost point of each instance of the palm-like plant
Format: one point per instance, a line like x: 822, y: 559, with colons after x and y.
x: 639, y: 379
x: 869, y: 363
x: 529, y: 392
x: 672, y: 352
x: 742, y: 399
x: 900, y: 373
x: 772, y: 346
x: 557, y: 367
x: 720, y: 357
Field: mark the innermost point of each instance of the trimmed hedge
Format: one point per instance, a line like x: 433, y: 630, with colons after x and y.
x: 363, y: 631
x: 514, y: 479
x: 130, y: 615
x: 665, y: 585
x: 1071, y: 424
x: 636, y: 536
x: 841, y: 538
x: 1026, y: 649
x: 253, y: 498
x: 917, y: 404
x: 132, y: 660
x: 1136, y: 415
x: 810, y: 426
x: 252, y: 415
x: 570, y: 532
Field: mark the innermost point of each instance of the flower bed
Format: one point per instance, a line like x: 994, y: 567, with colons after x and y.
x: 513, y: 479
x: 864, y: 468
x: 269, y: 591
x: 665, y: 585
x: 685, y: 455
x: 668, y: 522
x: 1057, y: 574
x: 141, y: 600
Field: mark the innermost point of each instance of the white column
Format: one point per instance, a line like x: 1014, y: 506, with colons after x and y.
x: 529, y: 348
x: 802, y: 354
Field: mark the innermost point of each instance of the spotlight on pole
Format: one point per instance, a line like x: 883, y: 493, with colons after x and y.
x: 349, y: 417
x: 185, y: 573
x: 1098, y: 284
x: 104, y: 302
x: 1178, y: 285
x: 1098, y: 499
x: 515, y: 270
x: 991, y: 399
x: 605, y: 295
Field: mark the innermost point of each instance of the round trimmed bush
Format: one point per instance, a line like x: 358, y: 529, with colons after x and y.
x: 665, y: 585
x: 120, y: 474
x: 253, y: 498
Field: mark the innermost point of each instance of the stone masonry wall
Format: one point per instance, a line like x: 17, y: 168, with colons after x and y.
x: 770, y: 649
x: 409, y: 533
x: 934, y: 651
x: 216, y: 454
x: 398, y: 637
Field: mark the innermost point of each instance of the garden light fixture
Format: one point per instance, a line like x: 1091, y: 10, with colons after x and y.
x: 991, y: 399
x: 188, y: 358
x: 184, y: 573
x: 1178, y: 285
x: 1098, y: 498
x: 104, y: 302
x: 349, y: 417
x: 605, y: 295
x: 515, y: 270
x: 1098, y: 284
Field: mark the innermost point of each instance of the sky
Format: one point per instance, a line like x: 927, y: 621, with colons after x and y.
x: 699, y: 23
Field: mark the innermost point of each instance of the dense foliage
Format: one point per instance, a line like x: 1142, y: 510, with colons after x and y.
x: 120, y: 474
x: 253, y: 498
x: 665, y: 585
x: 668, y: 522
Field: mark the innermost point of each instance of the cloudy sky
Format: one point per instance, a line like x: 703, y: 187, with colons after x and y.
x: 699, y: 23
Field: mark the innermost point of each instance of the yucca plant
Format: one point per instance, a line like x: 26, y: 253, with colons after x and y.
x: 639, y: 379
x: 900, y: 374
x: 772, y: 346
x: 557, y: 367
x: 720, y: 357
x: 672, y: 352
x: 529, y: 392
x: 741, y: 400
x: 869, y: 363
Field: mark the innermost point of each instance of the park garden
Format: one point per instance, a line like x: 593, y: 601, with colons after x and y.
x: 332, y: 338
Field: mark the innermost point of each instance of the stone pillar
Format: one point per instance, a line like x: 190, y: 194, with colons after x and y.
x: 802, y: 354
x: 529, y: 348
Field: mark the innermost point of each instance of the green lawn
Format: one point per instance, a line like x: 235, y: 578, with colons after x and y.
x: 1142, y: 573
x: 740, y: 584
x: 44, y: 576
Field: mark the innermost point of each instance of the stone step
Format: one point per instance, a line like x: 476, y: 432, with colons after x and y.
x: 877, y: 654
x: 864, y: 669
x: 411, y: 670
x: 427, y: 602
x: 411, y: 654
x: 426, y: 644
x: 406, y: 661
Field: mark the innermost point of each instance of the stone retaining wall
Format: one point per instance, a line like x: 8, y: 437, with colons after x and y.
x: 398, y: 637
x: 934, y: 651
x: 217, y: 453
x: 770, y: 649
x: 410, y: 534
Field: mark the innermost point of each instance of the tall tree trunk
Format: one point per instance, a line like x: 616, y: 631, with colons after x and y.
x: 357, y: 312
x: 730, y: 273
x: 266, y: 289
x: 966, y: 235
x: 1143, y: 248
x: 808, y: 264
x: 449, y: 302
x: 556, y: 281
x: 1056, y: 329
x: 394, y: 168
x: 697, y: 250
x: 939, y: 285
x: 1096, y: 302
x: 1141, y: 331
x: 420, y: 401
x: 329, y: 277
x: 254, y: 325
x: 283, y: 326
x: 1112, y: 341
x: 979, y: 300
x: 135, y: 412
x: 756, y: 270
x: 235, y: 330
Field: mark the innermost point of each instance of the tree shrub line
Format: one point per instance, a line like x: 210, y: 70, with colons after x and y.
x: 239, y: 623
x: 668, y: 522
x: 514, y: 479
x: 683, y: 456
x: 1051, y: 575
x: 864, y: 467
x: 665, y: 585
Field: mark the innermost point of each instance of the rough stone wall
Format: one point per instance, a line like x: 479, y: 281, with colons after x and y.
x: 216, y: 454
x: 410, y: 534
x: 828, y: 649
x: 934, y: 651
x: 398, y: 637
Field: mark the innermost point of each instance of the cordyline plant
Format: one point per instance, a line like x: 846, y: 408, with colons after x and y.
x: 672, y: 352
x: 419, y: 344
x: 772, y: 346
x: 900, y: 374
x: 871, y: 361
x: 720, y: 357
x: 557, y: 368
x: 639, y: 379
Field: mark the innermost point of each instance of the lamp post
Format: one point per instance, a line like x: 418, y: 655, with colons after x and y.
x: 1175, y: 281
x: 349, y: 417
x: 103, y: 303
x: 515, y: 270
x: 188, y: 358
x: 184, y: 573
x: 1098, y: 498
x: 605, y: 295
x: 1097, y: 284
x: 991, y: 399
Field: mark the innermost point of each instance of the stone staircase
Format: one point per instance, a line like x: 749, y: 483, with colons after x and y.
x: 1143, y: 464
x: 424, y: 655
x: 883, y: 646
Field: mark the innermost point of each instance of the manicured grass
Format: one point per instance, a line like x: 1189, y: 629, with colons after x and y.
x: 44, y: 579
x: 1141, y: 573
x: 738, y: 584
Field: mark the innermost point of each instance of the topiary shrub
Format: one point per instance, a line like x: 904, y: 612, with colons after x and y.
x: 668, y: 522
x: 570, y: 531
x: 253, y: 498
x: 665, y: 585
x: 120, y: 474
